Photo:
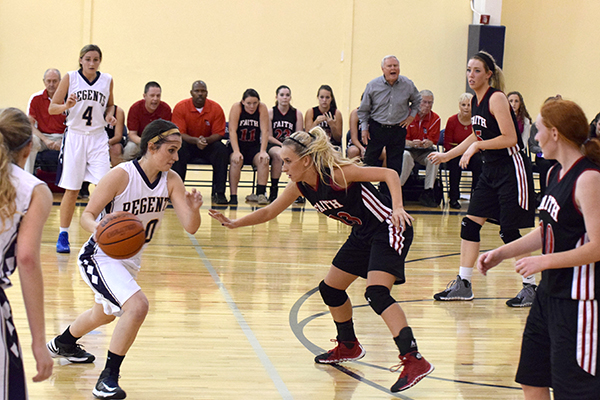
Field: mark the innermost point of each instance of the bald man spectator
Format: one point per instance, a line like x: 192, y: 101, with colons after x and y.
x: 422, y: 136
x: 141, y: 113
x: 390, y: 103
x: 201, y: 122
x: 48, y: 129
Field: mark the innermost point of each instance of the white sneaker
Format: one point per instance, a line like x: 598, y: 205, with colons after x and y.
x: 252, y: 198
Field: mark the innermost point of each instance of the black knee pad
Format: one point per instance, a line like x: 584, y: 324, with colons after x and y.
x: 331, y: 296
x: 379, y: 298
x: 510, y: 235
x: 469, y: 230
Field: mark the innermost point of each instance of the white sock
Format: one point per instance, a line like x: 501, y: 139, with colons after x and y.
x: 64, y: 229
x: 530, y: 280
x: 465, y: 273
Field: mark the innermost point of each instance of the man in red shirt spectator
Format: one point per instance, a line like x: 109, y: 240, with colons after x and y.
x: 202, y: 125
x: 48, y: 129
x: 141, y: 113
x: 422, y: 135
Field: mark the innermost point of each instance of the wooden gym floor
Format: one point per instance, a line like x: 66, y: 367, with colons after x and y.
x: 235, y: 314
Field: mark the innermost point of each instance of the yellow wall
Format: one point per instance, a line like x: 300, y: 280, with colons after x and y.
x: 264, y: 43
x: 552, y: 47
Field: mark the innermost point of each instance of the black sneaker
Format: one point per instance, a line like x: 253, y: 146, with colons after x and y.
x: 455, y: 204
x: 219, y: 198
x: 72, y: 352
x: 457, y: 289
x: 525, y: 297
x: 300, y: 200
x: 107, y: 387
x: 426, y: 198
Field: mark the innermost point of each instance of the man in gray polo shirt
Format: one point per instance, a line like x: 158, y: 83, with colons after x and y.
x: 390, y: 102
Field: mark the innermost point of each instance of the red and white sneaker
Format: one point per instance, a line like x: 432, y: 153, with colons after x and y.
x: 344, y: 351
x: 415, y: 368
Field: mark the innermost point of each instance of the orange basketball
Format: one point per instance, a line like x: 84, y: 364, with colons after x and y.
x: 120, y: 235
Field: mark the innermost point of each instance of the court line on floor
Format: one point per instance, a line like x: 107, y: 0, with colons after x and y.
x: 262, y: 356
x: 297, y: 328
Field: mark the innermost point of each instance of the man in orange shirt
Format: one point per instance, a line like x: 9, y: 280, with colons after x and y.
x: 422, y: 135
x: 202, y: 125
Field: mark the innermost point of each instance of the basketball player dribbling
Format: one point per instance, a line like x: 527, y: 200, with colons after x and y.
x: 376, y: 249
x: 142, y: 187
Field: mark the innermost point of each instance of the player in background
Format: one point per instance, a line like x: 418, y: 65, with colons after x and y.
x: 375, y: 250
x: 248, y: 139
x: 84, y: 153
x: 149, y: 183
x: 285, y: 120
x: 504, y: 192
x: 560, y: 341
x: 26, y: 203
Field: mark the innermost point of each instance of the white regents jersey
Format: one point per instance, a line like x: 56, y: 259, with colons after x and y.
x: 24, y: 183
x: 144, y: 199
x: 87, y: 115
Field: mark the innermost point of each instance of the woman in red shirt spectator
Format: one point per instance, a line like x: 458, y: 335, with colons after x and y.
x: 458, y: 128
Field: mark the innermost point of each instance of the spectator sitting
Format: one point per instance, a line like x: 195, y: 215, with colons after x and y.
x: 523, y: 118
x: 284, y: 120
x: 458, y: 128
x: 422, y: 135
x: 201, y: 122
x: 356, y: 148
x: 248, y: 138
x: 115, y: 134
x: 542, y: 163
x: 326, y: 115
x: 594, y: 126
x: 47, y: 129
x: 141, y: 113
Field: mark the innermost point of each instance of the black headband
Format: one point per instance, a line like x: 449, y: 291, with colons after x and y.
x: 25, y: 143
x: 487, y: 60
x: 297, y: 141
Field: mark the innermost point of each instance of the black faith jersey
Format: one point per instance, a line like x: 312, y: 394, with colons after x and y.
x: 284, y: 125
x: 359, y: 205
x: 248, y: 130
x: 486, y: 127
x: 563, y: 229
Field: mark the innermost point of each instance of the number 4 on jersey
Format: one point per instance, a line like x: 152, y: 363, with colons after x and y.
x: 87, y: 115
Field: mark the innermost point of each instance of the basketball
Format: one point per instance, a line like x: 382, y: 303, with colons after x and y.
x: 120, y: 235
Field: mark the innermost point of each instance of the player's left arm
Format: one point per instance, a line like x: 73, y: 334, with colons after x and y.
x: 186, y: 204
x: 110, y: 114
x: 264, y: 127
x: 30, y: 275
x: 120, y: 117
x: 299, y: 121
x: 336, y: 124
x: 500, y: 108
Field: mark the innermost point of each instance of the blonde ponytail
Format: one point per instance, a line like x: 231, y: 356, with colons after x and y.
x: 8, y: 193
x: 315, y: 144
x: 15, y: 134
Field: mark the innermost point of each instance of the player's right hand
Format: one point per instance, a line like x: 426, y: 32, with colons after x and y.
x: 226, y: 222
